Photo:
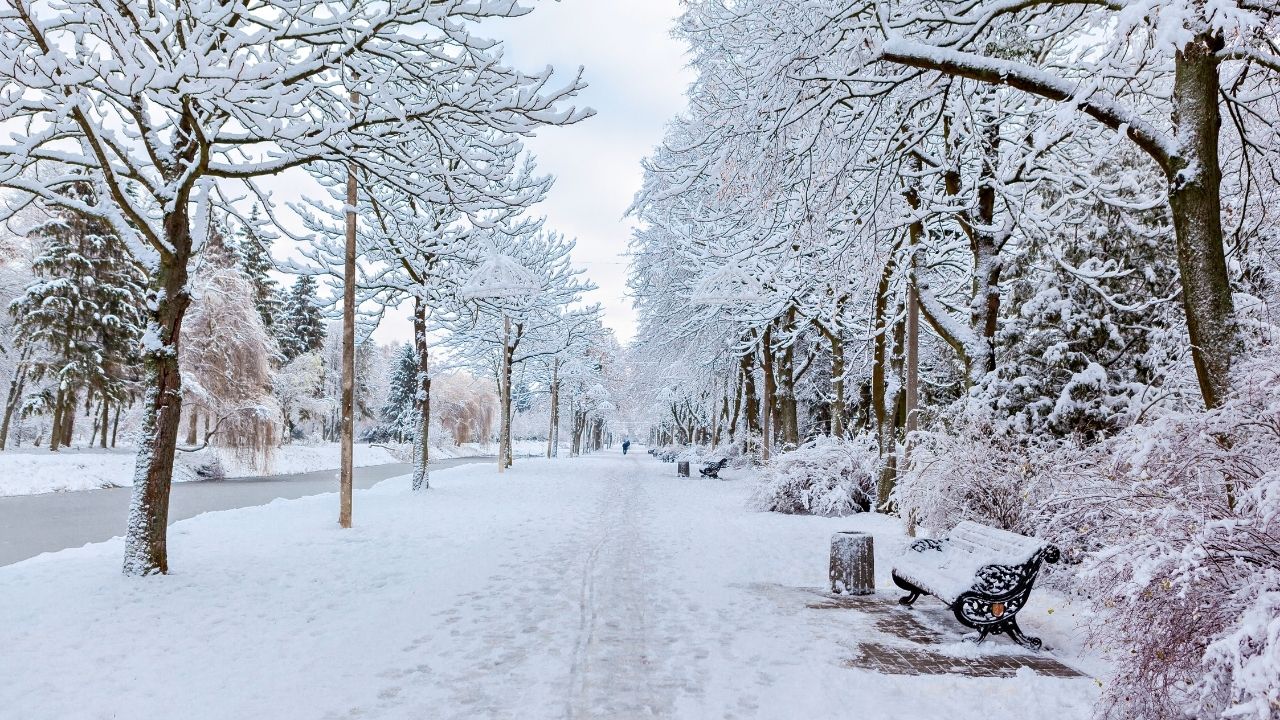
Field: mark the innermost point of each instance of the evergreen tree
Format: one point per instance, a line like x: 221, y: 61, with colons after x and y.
x: 255, y: 257
x: 399, y: 413
x: 82, y: 318
x: 303, y: 329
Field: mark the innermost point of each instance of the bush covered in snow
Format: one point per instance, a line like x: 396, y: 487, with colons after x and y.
x: 826, y: 476
x: 988, y: 475
x: 1184, y: 519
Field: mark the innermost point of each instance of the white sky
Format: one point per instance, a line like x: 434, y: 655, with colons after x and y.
x: 637, y: 77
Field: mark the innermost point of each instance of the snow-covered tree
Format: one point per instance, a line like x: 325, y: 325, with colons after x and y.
x: 266, y: 89
x: 226, y: 359
x: 399, y: 414
x: 79, y: 325
x: 301, y: 328
x: 298, y: 390
x: 253, y: 244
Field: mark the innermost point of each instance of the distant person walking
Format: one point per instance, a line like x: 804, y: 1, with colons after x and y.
x: 626, y: 444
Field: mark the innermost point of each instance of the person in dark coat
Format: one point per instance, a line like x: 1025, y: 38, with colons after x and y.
x: 625, y: 445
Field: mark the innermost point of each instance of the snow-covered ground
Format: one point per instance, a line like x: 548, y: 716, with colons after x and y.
x: 595, y: 587
x: 29, y: 470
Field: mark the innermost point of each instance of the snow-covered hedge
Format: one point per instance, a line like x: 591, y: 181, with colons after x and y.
x: 826, y: 476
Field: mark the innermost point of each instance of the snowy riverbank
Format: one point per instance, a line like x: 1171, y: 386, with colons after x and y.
x: 28, y: 470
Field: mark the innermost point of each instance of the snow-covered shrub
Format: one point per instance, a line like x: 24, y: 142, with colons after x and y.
x: 984, y: 474
x: 826, y: 476
x: 203, y: 465
x: 1186, y: 572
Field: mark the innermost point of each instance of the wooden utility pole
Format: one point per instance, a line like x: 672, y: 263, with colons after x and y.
x: 348, y: 347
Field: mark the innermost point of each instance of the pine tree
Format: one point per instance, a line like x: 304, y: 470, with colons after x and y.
x: 84, y: 315
x: 254, y: 250
x: 303, y: 329
x: 399, y: 413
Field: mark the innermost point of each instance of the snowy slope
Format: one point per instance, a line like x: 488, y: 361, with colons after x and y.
x: 591, y: 587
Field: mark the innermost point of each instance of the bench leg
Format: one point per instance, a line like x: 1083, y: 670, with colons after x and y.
x: 1015, y: 634
x: 914, y: 591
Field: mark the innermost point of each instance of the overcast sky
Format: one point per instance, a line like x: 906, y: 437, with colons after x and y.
x: 637, y: 77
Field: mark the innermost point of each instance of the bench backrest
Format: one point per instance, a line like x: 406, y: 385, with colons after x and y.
x: 999, y: 546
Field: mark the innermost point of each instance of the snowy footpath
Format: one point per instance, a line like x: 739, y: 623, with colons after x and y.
x: 597, y: 587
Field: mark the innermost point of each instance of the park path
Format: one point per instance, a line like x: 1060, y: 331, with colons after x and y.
x: 595, y: 587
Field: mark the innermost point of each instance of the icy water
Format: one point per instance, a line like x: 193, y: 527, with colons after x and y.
x: 34, y: 524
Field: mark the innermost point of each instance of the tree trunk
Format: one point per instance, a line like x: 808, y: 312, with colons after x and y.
x: 193, y: 427
x: 555, y: 409
x: 1195, y: 200
x: 750, y: 401
x: 767, y: 414
x: 55, y: 427
x: 17, y: 385
x: 115, y: 427
x: 893, y: 403
x: 69, y: 418
x: 146, y: 550
x: 837, y: 408
x: 987, y: 265
x: 422, y: 399
x: 106, y: 420
x: 504, y: 390
x: 788, y: 421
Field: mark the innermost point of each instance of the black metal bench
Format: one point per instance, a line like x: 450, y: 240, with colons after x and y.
x: 983, y: 574
x: 713, y: 470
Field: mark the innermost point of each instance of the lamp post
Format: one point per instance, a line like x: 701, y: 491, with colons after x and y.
x: 500, y: 277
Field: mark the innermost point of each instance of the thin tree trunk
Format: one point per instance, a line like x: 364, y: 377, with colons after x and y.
x: 193, y: 429
x: 106, y: 420
x: 115, y: 427
x: 767, y: 414
x: 889, y: 429
x: 837, y: 408
x: 422, y: 399
x: 55, y: 427
x: 555, y: 409
x: 504, y: 389
x: 69, y: 419
x: 17, y: 385
x: 750, y: 401
x: 737, y: 407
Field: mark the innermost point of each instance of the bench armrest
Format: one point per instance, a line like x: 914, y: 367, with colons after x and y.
x: 926, y: 544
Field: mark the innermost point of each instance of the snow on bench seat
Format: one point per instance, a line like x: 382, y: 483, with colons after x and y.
x: 950, y: 570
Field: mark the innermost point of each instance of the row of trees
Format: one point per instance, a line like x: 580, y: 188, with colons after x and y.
x: 999, y: 246
x: 897, y: 207
x: 409, y: 120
